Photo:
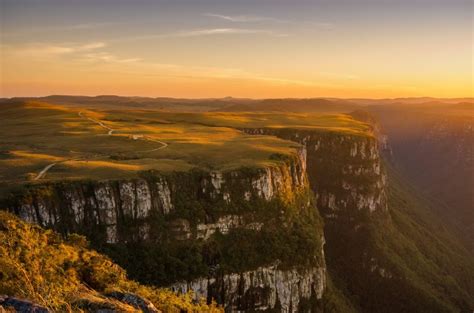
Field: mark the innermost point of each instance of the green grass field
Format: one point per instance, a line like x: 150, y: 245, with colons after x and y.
x: 96, y: 144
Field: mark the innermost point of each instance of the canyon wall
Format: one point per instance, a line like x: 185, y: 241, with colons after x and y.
x: 174, y: 213
x: 249, y: 238
x: 345, y: 170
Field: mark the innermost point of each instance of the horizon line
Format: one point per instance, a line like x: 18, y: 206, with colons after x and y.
x: 236, y: 97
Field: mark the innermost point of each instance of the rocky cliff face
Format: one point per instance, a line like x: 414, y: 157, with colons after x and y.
x: 344, y: 170
x: 346, y: 175
x: 264, y: 288
x: 107, y: 205
x: 195, y: 207
x: 199, y: 210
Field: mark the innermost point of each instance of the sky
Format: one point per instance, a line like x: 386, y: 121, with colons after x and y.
x: 239, y: 48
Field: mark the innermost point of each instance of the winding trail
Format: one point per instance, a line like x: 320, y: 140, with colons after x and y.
x: 43, y: 172
x: 110, y: 132
x: 134, y: 137
x: 163, y: 144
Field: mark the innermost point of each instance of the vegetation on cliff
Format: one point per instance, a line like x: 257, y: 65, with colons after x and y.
x: 287, y: 230
x: 404, y: 260
x: 384, y: 251
x: 65, y: 275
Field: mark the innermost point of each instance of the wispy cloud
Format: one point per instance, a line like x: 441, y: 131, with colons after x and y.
x: 108, y: 57
x: 87, y: 26
x: 89, y: 51
x: 42, y: 49
x: 258, y: 18
x: 225, y: 31
x: 203, y: 32
x: 245, y: 18
x: 151, y: 69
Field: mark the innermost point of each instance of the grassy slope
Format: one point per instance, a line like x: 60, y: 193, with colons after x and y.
x: 63, y: 275
x: 437, y: 272
x: 34, y: 135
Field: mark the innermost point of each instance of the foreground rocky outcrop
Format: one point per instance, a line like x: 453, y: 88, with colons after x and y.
x: 41, y: 271
x: 20, y: 305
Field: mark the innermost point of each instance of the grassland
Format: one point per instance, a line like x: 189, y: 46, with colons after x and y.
x: 46, y: 142
x: 65, y: 275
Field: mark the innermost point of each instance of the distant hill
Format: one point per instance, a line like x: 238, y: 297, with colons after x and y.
x: 293, y: 105
x: 227, y: 104
x: 231, y: 104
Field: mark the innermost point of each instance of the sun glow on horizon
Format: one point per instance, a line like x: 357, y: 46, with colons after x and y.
x: 255, y: 51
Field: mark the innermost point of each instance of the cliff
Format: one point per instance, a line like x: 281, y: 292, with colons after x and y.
x: 378, y: 250
x: 193, y: 224
x: 235, y: 217
x: 345, y: 170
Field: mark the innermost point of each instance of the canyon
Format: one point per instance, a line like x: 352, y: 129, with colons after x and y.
x: 305, y: 217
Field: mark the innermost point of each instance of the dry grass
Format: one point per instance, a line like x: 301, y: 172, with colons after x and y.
x: 34, y: 135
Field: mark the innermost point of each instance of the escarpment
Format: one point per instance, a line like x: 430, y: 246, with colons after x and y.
x: 264, y: 288
x: 345, y: 170
x: 347, y: 177
x: 196, y: 203
x: 232, y: 236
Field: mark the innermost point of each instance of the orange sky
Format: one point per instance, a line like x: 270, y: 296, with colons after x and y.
x: 394, y: 49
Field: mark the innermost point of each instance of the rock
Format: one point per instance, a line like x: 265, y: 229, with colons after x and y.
x: 21, y: 305
x: 262, y: 289
x: 136, y: 301
x: 121, y: 210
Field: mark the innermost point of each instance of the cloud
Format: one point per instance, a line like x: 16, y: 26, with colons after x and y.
x: 86, y: 26
x: 92, y: 46
x: 257, y: 18
x: 245, y: 18
x: 42, y: 49
x: 225, y: 31
x: 89, y: 51
x: 108, y: 57
x: 214, y: 73
x: 203, y: 32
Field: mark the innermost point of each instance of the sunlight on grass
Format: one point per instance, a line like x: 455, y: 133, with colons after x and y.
x: 33, y: 156
x: 35, y: 135
x: 99, y: 164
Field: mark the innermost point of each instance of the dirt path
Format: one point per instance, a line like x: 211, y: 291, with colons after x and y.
x: 133, y: 136
x: 110, y: 133
x: 163, y: 144
x: 43, y: 172
x: 110, y: 130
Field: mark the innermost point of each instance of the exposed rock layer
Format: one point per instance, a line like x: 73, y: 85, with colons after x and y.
x: 344, y: 170
x: 262, y: 289
x: 106, y: 207
x: 194, y: 207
